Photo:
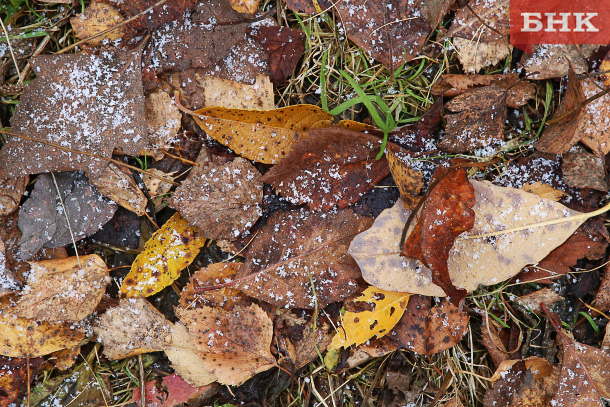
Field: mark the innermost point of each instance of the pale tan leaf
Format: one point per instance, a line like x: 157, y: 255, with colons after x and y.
x: 186, y: 359
x: 163, y: 119
x: 133, y: 327
x: 540, y: 367
x: 11, y: 190
x: 235, y: 95
x: 544, y: 191
x: 118, y: 184
x: 476, y: 55
x: 63, y: 289
x: 533, y: 300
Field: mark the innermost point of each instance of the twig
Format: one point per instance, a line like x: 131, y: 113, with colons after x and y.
x: 142, y: 382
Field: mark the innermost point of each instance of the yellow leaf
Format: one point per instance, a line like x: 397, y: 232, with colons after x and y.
x: 98, y: 17
x: 169, y: 250
x: 359, y: 327
x: 264, y: 136
x: 245, y: 6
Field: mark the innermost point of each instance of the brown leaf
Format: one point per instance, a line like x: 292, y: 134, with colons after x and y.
x: 284, y: 45
x: 118, y: 184
x: 11, y: 191
x: 43, y: 222
x: 539, y: 367
x: 554, y: 60
x: 93, y: 103
x: 602, y: 297
x: 236, y: 345
x: 544, y: 191
x: 365, y: 23
x: 476, y: 55
x: 214, y: 274
x: 532, y: 300
x: 163, y: 120
x: 224, y: 201
x: 490, y: 338
x: 478, y: 120
x: 8, y: 280
x: 447, y: 213
x: 482, y: 20
x: 235, y: 95
x: 409, y: 181
x: 296, y: 337
x: 14, y: 377
x: 333, y: 166
x: 132, y: 328
x: 584, y: 170
x: 298, y: 248
x: 428, y: 330
x: 96, y: 18
x: 170, y: 10
x: 421, y: 135
x: 64, y: 289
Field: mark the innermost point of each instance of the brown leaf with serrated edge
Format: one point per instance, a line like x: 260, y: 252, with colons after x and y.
x: 170, y: 10
x: 366, y: 23
x: 236, y: 344
x: 93, y: 103
x: 214, y: 274
x: 518, y: 91
x: 447, y: 213
x: 590, y: 240
x: 297, y: 248
x: 409, y: 181
x: 118, y: 184
x: 63, y: 289
x: 223, y: 201
x: 11, y: 191
x: 544, y: 191
x: 132, y: 328
x: 584, y: 170
x: 96, y: 18
x: 264, y: 136
x: 334, y: 166
x: 478, y: 120
x: 427, y: 330
x: 475, y: 55
x: 284, y: 45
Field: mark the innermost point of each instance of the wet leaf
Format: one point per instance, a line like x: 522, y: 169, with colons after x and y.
x: 358, y: 327
x: 245, y: 6
x: 332, y: 167
x: 532, y: 300
x: 163, y: 120
x: 166, y: 253
x: 132, y: 328
x: 284, y: 45
x: 96, y: 18
x: 261, y: 135
x: 214, y: 274
x: 584, y: 170
x: 231, y: 351
x: 409, y: 181
x: 554, y: 60
x: 169, y: 10
x: 63, y: 289
x: 11, y: 191
x: 295, y: 249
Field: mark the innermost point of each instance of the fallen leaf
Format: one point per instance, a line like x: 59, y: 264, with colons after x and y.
x: 584, y: 170
x: 366, y: 23
x: 224, y: 201
x: 284, y: 45
x: 175, y: 391
x: 264, y: 136
x: 118, y: 184
x: 186, y: 359
x: 93, y: 103
x: 532, y: 300
x: 298, y: 341
x: 492, y: 340
x: 422, y: 135
x: 64, y: 289
x: 231, y: 352
x: 602, y: 297
x: 308, y: 6
x: 245, y: 6
x: 42, y: 218
x: 163, y: 120
x: 475, y: 55
x: 333, y: 166
x: 539, y: 367
x: 96, y: 18
x: 478, y: 120
x: 235, y: 95
x: 358, y: 327
x: 11, y: 191
x: 132, y: 328
x: 409, y: 181
x: 544, y: 191
x: 8, y: 280
x: 166, y: 253
x: 297, y: 249
x: 427, y: 330
x: 214, y: 274
x: 169, y: 10
x: 554, y: 60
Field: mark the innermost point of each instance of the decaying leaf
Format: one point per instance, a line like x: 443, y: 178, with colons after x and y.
x: 532, y: 300
x: 132, y: 328
x: 42, y: 219
x: 174, y: 391
x: 118, y: 184
x: 235, y: 95
x: 163, y: 120
x: 96, y: 18
x: 471, y: 261
x: 539, y: 367
x: 214, y: 274
x: 93, y: 103
x: 409, y: 181
x: 584, y: 170
x: 297, y: 249
x: 169, y: 10
x: 475, y: 55
x: 64, y: 289
x: 223, y: 201
x: 428, y: 330
x: 11, y: 191
x: 235, y: 344
x: 358, y: 327
x: 265, y: 136
x: 554, y: 60
x: 8, y: 280
x: 166, y: 253
x: 284, y: 45
x: 333, y: 166
x: 544, y: 191
x: 298, y: 341
x: 187, y: 360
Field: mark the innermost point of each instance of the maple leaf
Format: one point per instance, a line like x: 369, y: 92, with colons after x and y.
x: 169, y: 250
x: 89, y: 103
x: 284, y: 45
x: 447, y: 212
x: 230, y: 350
x: 298, y: 249
x: 222, y: 200
x: 358, y: 327
x: 333, y: 166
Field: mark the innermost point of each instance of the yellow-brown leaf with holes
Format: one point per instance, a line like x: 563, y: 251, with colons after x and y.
x: 169, y: 250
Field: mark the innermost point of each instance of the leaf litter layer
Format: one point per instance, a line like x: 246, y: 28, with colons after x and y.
x: 322, y: 226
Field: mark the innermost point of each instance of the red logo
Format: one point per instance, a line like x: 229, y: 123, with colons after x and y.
x: 559, y: 22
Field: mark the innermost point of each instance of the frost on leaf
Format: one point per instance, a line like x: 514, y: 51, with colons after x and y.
x: 90, y: 103
x: 8, y: 280
x: 235, y: 344
x: 214, y: 274
x: 297, y: 249
x: 222, y: 200
x: 264, y: 136
x: 163, y: 120
x: 63, y: 290
x: 284, y: 45
x: 132, y: 328
x: 554, y: 60
x: 235, y: 95
x: 409, y: 181
x: 168, y: 251
x: 96, y: 18
x: 358, y: 327
x: 169, y: 10
x: 187, y: 360
x: 118, y: 184
x: 333, y: 166
x: 42, y: 219
x: 584, y: 170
